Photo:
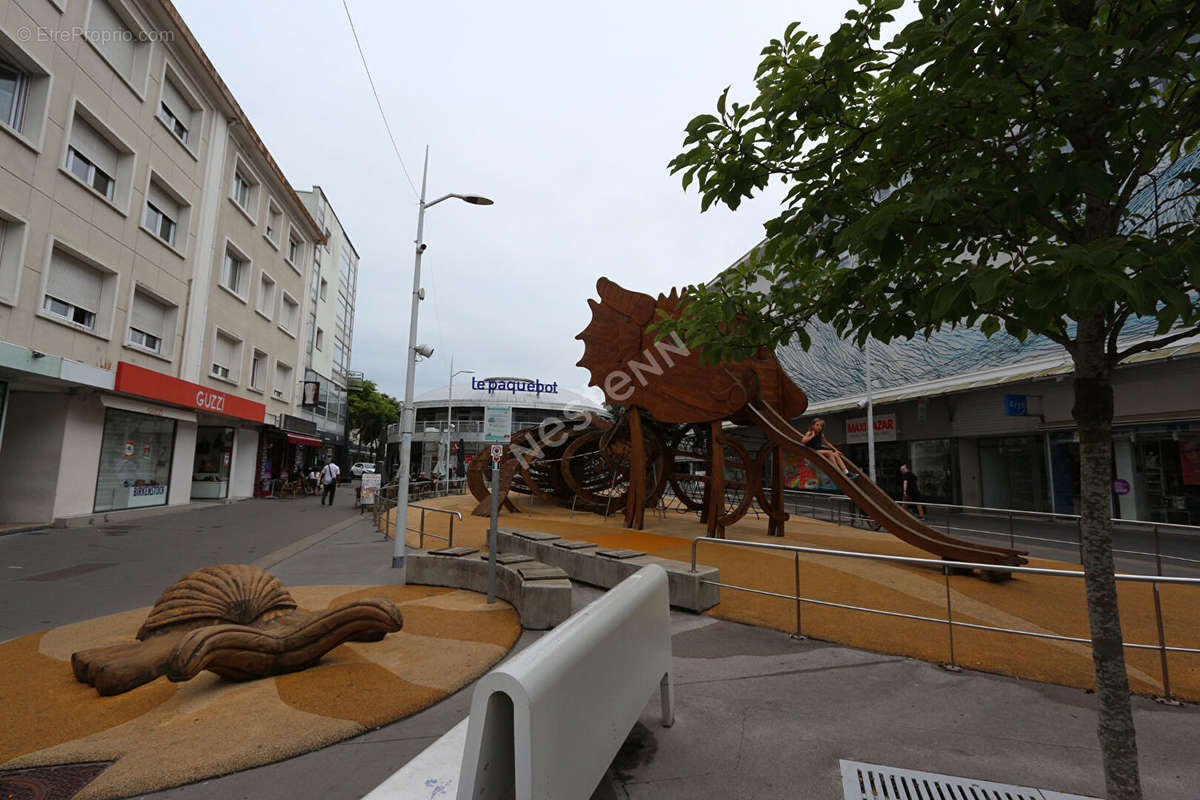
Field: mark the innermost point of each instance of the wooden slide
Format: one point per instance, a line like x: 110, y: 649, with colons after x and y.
x: 876, y: 503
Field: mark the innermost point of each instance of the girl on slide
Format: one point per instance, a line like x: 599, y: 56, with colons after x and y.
x: 815, y: 438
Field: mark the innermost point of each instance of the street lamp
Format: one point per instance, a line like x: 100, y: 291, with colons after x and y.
x: 450, y: 416
x: 407, y: 417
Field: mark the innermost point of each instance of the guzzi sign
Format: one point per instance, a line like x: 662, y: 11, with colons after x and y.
x: 132, y: 379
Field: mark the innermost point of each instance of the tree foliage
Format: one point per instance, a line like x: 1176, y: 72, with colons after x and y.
x: 371, y: 411
x: 1021, y: 165
x: 979, y: 168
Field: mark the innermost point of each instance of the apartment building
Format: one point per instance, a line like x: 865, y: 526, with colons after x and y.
x: 153, y: 267
x: 329, y: 327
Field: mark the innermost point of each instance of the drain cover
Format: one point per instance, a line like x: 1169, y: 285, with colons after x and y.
x: 874, y: 782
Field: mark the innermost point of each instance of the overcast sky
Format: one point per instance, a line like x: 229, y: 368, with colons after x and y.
x: 566, y: 114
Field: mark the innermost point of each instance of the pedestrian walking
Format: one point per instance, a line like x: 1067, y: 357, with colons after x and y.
x: 329, y: 478
x: 910, y: 491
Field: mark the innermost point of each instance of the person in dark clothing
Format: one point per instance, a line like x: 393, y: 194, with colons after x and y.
x: 910, y: 491
x: 815, y: 438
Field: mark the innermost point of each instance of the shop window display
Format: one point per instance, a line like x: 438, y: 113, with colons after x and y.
x: 210, y: 470
x: 135, y: 461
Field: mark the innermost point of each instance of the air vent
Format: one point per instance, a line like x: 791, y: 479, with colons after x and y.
x: 874, y: 782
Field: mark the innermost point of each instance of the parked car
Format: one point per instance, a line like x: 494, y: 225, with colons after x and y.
x: 362, y: 466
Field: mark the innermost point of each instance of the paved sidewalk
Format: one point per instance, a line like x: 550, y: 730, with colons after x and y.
x: 758, y: 715
x: 55, y: 576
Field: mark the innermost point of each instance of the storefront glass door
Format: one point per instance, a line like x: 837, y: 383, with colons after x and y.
x: 135, y: 461
x: 1012, y: 471
x: 210, y: 470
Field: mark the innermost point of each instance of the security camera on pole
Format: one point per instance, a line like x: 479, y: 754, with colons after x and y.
x: 407, y: 415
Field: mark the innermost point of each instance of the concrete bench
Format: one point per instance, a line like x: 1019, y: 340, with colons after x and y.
x: 540, y: 594
x: 606, y: 568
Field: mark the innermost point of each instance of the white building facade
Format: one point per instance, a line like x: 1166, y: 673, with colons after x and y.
x: 153, y: 267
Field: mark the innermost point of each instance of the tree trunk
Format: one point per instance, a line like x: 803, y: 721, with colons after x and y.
x: 1093, y: 412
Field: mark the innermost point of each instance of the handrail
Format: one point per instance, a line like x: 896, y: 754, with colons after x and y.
x: 947, y: 567
x: 1024, y: 512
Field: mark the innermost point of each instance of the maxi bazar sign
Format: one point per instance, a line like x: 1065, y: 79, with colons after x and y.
x: 885, y: 429
x: 132, y: 379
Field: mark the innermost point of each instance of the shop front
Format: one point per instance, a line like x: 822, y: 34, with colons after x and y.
x: 136, y: 453
x: 287, y: 451
x: 143, y: 444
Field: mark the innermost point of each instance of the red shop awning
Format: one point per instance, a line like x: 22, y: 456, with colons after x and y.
x: 307, y: 441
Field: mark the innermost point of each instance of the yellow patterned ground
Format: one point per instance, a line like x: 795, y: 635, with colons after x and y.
x: 165, y: 734
x: 1042, y: 604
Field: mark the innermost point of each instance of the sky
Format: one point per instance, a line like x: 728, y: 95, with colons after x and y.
x: 565, y: 114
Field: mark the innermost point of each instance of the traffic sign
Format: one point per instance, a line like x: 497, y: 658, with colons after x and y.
x: 497, y: 452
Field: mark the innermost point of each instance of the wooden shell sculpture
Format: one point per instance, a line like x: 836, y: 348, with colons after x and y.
x: 237, y: 621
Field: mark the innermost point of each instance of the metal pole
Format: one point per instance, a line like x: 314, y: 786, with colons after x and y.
x: 798, y: 634
x: 406, y: 414
x: 1162, y: 639
x: 492, y: 532
x: 1011, y: 544
x: 449, y: 416
x: 870, y: 417
x: 950, y: 621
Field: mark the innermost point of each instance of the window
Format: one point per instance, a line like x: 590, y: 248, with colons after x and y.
x: 320, y: 339
x: 115, y: 38
x: 283, y: 382
x: 98, y: 159
x: 274, y: 222
x: 258, y: 370
x: 12, y: 241
x: 92, y: 158
x: 266, y: 295
x: 136, y: 453
x: 227, y: 357
x: 295, y: 249
x: 175, y: 110
x: 289, y: 314
x: 74, y: 290
x: 162, y: 213
x: 14, y: 86
x: 234, y: 271
x: 241, y: 190
x: 324, y: 287
x: 148, y: 320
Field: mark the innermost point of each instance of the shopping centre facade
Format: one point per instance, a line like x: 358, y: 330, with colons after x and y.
x: 481, y: 411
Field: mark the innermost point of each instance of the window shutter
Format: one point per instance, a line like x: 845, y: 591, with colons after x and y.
x: 164, y: 202
x: 225, y: 353
x: 175, y: 101
x: 90, y: 143
x: 74, y: 282
x: 118, y: 47
x: 148, y: 316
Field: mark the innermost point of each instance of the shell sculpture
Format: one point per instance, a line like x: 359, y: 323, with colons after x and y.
x: 234, y: 620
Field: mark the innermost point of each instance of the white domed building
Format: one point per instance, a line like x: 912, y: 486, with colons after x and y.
x: 481, y: 411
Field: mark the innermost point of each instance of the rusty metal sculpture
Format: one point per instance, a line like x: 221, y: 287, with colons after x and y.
x: 600, y: 465
x: 237, y: 621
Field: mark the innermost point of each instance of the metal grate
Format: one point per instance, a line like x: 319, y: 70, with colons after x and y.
x: 874, y: 782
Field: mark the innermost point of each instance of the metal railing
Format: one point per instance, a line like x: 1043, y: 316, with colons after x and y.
x: 841, y: 510
x: 947, y: 567
x: 385, y: 501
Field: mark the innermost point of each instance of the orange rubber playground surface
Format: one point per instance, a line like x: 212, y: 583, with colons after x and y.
x: 1036, y: 603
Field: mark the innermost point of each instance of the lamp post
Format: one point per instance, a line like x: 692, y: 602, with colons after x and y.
x: 450, y: 414
x: 870, y: 417
x: 407, y: 417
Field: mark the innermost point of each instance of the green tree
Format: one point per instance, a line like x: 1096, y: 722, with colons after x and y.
x: 371, y: 411
x: 1012, y: 164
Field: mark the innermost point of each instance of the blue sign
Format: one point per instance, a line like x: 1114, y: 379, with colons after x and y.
x: 1015, y: 405
x: 514, y: 385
